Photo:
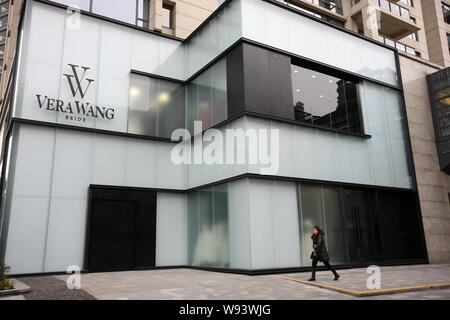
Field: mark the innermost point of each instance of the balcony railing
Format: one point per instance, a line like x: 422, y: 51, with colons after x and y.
x: 394, y: 8
x: 398, y: 45
x: 332, y: 5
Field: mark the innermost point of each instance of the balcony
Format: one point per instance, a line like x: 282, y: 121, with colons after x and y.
x: 394, y: 20
x: 331, y: 6
x: 394, y: 8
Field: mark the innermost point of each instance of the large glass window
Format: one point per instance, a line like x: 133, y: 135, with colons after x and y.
x: 321, y: 205
x: 4, y: 7
x: 207, y: 97
x: 3, y: 22
x: 143, y: 12
x: 446, y: 12
x: 207, y: 227
x: 130, y: 11
x: 448, y: 42
x: 329, y: 4
x: 157, y: 107
x: 324, y: 100
x: 2, y: 36
x: 84, y: 5
x: 408, y: 2
x: 332, y: 5
x: 167, y: 16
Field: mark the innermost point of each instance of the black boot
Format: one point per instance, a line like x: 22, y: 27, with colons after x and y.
x: 336, y: 277
x: 313, y: 277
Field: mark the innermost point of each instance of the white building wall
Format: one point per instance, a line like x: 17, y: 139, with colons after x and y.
x: 53, y: 170
x: 170, y: 229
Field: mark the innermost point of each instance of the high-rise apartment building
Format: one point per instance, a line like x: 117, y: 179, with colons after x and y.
x: 90, y: 99
x: 4, y: 10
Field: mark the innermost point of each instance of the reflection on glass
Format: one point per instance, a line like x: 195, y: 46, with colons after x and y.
x: 167, y: 16
x: 324, y: 100
x: 359, y: 226
x: 207, y: 97
x: 310, y: 214
x: 157, y: 107
x: 130, y: 11
x: 116, y: 9
x: 207, y: 221
x: 334, y: 226
x: 320, y: 205
x: 82, y: 4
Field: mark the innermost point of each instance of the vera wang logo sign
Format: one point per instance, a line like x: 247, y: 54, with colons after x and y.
x: 77, y: 87
x: 76, y: 110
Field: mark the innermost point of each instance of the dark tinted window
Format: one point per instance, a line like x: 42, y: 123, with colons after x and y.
x: 446, y: 12
x: 324, y: 100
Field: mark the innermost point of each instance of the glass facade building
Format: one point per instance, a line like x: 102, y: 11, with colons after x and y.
x: 90, y: 178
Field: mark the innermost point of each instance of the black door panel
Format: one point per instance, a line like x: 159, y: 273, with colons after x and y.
x: 121, y: 231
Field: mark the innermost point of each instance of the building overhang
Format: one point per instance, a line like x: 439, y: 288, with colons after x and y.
x: 390, y: 25
x: 395, y: 27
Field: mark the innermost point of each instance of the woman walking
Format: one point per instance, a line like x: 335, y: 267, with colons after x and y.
x: 320, y: 253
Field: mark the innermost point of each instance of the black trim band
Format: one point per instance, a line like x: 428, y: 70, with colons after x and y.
x: 248, y: 272
x: 261, y: 177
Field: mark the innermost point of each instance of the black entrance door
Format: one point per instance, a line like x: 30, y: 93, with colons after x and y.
x: 121, y: 229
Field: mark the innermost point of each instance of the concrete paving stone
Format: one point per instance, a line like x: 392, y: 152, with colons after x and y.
x: 206, y: 285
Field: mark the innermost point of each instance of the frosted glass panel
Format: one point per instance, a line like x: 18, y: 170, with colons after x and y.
x: 157, y: 107
x: 204, y: 254
x: 311, y: 214
x: 221, y: 227
x: 219, y: 34
x: 192, y: 228
x: 25, y: 247
x: 207, y: 97
x: 263, y: 248
x: 66, y: 234
x: 274, y: 224
x: 285, y: 224
x: 267, y: 23
x: 218, y: 226
x: 239, y: 224
x: 398, y: 137
x: 334, y: 225
x: 170, y: 229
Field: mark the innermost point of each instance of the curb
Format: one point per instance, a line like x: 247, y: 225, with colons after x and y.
x: 369, y: 292
x: 19, y: 287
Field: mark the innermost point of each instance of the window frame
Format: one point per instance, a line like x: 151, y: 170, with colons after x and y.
x: 328, y: 71
x: 171, y: 9
x: 446, y: 12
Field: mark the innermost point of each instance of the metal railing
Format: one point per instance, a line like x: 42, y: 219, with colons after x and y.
x: 398, y: 45
x: 394, y: 8
x: 332, y: 5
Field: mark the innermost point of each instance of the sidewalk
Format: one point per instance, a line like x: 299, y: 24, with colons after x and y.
x: 204, y: 285
x: 392, y: 280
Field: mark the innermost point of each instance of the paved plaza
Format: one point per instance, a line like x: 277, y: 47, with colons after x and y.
x: 206, y: 285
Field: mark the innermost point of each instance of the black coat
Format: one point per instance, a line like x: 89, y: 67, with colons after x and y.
x: 321, y: 249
